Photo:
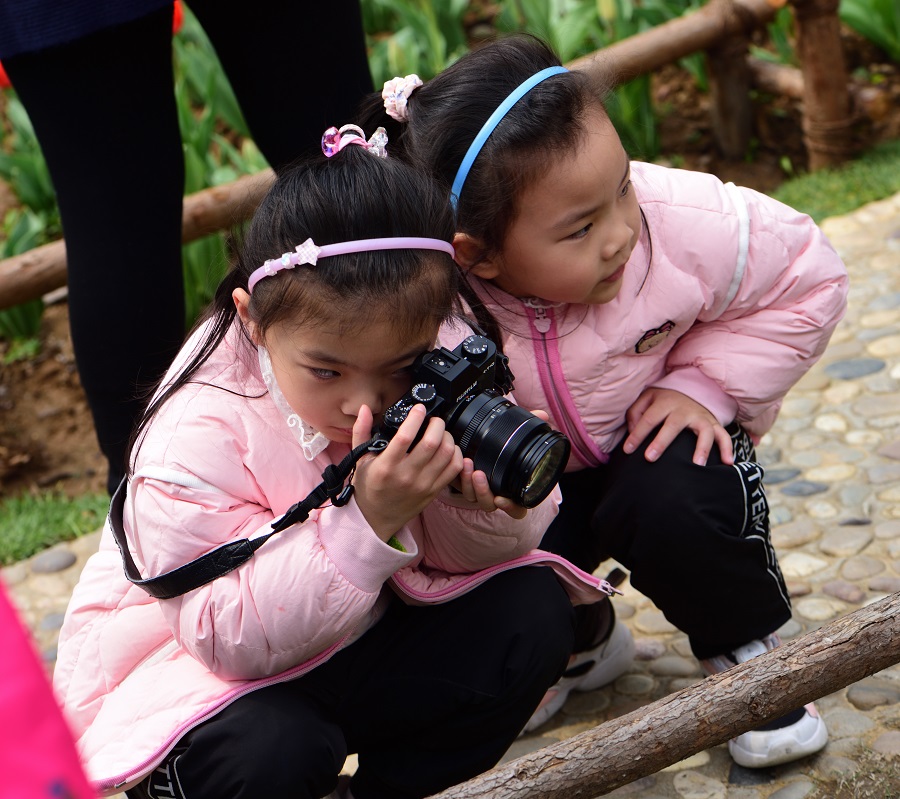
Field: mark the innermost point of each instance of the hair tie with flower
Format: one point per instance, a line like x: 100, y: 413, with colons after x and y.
x: 396, y: 93
x: 336, y: 139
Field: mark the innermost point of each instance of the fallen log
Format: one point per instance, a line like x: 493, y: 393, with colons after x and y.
x: 34, y: 273
x: 703, y: 715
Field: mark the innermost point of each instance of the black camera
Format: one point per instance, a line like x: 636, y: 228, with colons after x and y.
x: 522, y: 456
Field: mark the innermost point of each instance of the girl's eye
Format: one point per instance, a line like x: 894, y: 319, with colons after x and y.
x: 625, y: 189
x: 404, y: 373
x: 324, y: 374
x: 583, y: 232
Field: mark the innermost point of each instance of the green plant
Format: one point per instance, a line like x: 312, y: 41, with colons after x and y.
x: 20, y: 325
x: 877, y: 20
x: 780, y: 35
x: 571, y: 27
x: 30, y: 523
x: 631, y: 110
x: 22, y: 165
x: 413, y: 36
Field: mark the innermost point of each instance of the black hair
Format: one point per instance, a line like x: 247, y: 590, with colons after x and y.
x: 352, y: 195
x: 448, y: 111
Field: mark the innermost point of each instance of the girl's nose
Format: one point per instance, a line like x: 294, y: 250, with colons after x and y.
x: 365, y: 395
x: 618, y: 237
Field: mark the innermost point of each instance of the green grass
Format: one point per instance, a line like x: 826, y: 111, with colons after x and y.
x: 833, y: 192
x: 30, y: 523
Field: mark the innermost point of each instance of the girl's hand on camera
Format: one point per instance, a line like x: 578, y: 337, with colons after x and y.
x: 675, y: 412
x: 474, y: 487
x: 395, y: 486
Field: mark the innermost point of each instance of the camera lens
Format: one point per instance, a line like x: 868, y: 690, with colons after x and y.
x: 522, y: 456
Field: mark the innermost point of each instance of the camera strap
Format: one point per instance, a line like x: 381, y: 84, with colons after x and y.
x: 335, y: 486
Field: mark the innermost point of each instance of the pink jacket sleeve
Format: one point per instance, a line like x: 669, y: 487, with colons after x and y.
x: 304, y: 589
x: 771, y: 317
x: 458, y: 539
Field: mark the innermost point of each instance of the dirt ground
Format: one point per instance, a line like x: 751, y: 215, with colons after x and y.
x: 46, y: 432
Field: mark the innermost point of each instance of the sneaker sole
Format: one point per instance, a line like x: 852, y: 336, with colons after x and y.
x: 615, y: 658
x: 760, y: 749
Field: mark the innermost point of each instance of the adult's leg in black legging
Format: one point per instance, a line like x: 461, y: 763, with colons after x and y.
x: 104, y: 112
x: 696, y: 541
x: 296, y: 68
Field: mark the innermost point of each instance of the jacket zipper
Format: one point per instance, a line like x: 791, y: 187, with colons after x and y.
x: 552, y: 377
x: 467, y: 583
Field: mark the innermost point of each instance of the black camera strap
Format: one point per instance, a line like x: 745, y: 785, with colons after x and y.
x: 335, y: 486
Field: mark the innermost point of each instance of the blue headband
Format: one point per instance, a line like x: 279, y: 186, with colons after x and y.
x: 488, y: 128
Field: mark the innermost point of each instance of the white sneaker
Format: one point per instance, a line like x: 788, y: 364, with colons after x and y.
x: 587, y: 671
x: 784, y: 740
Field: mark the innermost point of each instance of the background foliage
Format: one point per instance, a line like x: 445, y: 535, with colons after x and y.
x: 404, y: 36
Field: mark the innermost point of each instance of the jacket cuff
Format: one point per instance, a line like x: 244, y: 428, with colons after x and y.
x: 360, y: 555
x: 700, y: 388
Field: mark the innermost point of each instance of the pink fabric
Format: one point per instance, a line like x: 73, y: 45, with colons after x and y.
x: 37, y: 752
x: 218, y: 465
x: 733, y: 329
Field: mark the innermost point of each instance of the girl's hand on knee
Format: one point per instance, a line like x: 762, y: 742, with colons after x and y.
x: 475, y: 488
x: 675, y: 412
x: 395, y: 486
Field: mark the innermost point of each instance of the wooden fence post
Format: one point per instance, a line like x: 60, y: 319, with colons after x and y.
x: 703, y: 715
x: 827, y: 118
x: 729, y: 86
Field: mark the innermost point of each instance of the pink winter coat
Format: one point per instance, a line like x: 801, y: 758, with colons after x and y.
x: 729, y: 297
x: 135, y: 674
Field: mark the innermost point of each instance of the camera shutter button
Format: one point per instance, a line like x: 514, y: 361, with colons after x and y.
x: 423, y: 392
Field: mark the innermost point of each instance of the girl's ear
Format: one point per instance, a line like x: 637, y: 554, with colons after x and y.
x: 242, y: 303
x: 471, y: 257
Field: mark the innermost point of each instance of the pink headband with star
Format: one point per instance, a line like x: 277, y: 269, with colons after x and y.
x: 309, y: 253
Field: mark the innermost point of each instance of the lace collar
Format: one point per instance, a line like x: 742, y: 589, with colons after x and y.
x: 311, y: 440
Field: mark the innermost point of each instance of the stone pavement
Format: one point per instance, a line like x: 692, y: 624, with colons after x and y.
x: 833, y: 479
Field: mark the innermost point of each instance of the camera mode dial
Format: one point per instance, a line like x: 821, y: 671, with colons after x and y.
x: 424, y: 392
x: 396, y: 414
x: 475, y: 345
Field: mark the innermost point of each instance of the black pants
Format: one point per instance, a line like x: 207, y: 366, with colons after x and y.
x: 103, y: 109
x: 429, y: 697
x: 695, y: 538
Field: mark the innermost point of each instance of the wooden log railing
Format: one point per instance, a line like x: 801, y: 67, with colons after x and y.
x: 721, y: 29
x: 41, y: 270
x: 709, y: 713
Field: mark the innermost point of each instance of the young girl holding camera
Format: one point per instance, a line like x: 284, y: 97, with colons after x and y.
x: 660, y: 317
x: 391, y: 622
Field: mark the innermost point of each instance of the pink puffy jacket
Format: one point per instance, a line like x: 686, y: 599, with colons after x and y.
x: 135, y: 674
x: 729, y: 297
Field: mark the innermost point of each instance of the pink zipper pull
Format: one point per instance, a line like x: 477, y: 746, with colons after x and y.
x: 541, y: 322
